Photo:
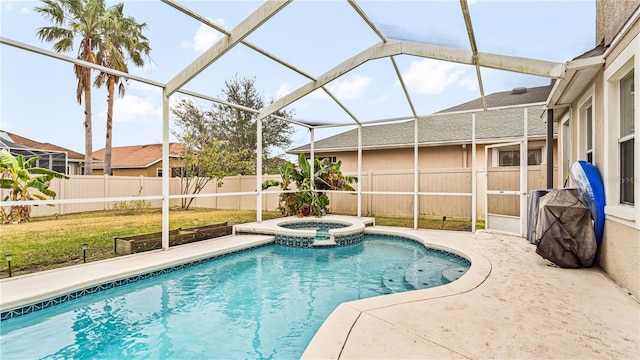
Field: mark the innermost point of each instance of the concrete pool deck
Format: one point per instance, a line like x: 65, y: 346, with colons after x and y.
x: 510, y: 304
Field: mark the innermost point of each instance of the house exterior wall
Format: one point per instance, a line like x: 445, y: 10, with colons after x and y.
x: 151, y: 171
x: 611, y: 16
x: 402, y: 159
x: 622, y: 233
x: 442, y: 169
x: 432, y: 157
x: 618, y: 253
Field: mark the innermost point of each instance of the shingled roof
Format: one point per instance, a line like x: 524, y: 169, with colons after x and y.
x: 491, y: 125
x: 136, y: 156
x: 36, y: 145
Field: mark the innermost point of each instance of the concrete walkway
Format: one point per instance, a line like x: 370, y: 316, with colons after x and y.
x: 524, y: 309
x: 511, y: 304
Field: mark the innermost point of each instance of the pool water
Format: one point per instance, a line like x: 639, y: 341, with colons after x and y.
x: 263, y: 303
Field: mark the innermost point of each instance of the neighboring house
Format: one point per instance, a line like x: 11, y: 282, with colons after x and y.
x: 596, y: 107
x: 140, y: 160
x: 445, y: 160
x: 51, y: 156
x: 444, y: 139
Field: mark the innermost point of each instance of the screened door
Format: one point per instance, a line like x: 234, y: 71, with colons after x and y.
x: 505, y: 202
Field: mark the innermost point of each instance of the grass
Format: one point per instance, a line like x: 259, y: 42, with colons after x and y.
x: 54, y: 242
x: 424, y: 223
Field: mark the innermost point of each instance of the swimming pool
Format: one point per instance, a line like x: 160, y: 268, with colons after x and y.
x: 266, y: 302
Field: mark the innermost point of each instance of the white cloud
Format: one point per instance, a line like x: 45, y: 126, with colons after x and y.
x: 132, y: 108
x: 319, y: 94
x: 283, y: 90
x: 8, y: 6
x: 204, y: 37
x: 24, y: 11
x: 469, y: 83
x: 351, y: 88
x: 471, y: 2
x: 431, y: 76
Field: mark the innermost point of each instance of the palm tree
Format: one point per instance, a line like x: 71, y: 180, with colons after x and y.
x: 122, y: 40
x: 83, y: 19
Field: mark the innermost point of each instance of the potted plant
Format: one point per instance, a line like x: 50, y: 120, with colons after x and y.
x: 309, y: 200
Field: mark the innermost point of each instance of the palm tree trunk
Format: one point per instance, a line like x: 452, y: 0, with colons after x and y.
x: 107, y: 146
x: 88, y: 129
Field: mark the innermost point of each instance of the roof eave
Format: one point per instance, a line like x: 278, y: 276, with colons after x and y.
x: 426, y: 144
x: 579, y: 74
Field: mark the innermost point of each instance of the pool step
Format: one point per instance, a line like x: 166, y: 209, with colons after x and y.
x: 453, y: 274
x: 327, y: 242
x: 426, y: 272
x: 393, y: 279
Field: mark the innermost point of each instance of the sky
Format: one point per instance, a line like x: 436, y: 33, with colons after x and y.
x: 37, y: 93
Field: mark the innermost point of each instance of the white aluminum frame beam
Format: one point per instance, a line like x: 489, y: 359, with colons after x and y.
x: 474, y: 48
x: 244, y: 29
x: 76, y: 61
x: 259, y: 50
x: 366, y: 19
x: 397, y: 47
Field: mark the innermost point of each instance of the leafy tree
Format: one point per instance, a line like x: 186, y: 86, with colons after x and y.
x: 236, y: 129
x: 82, y: 19
x: 123, y: 40
x: 204, y: 157
x: 326, y: 176
x: 24, y: 182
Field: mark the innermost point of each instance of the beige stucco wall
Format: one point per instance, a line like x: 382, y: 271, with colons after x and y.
x: 619, y: 251
x: 151, y: 171
x: 402, y: 159
x: 619, y: 256
x: 436, y: 157
x: 611, y: 16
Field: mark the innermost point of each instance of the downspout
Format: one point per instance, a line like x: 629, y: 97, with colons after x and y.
x: 550, y: 149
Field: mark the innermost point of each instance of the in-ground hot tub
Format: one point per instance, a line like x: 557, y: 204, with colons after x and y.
x: 312, y: 232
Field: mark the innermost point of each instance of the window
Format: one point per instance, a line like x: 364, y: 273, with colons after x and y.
x: 329, y: 159
x: 512, y: 157
x: 177, y: 171
x: 174, y: 171
x: 627, y: 139
x: 589, y: 130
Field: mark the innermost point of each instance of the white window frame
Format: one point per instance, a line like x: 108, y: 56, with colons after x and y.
x: 583, y: 119
x: 627, y: 60
x: 564, y: 148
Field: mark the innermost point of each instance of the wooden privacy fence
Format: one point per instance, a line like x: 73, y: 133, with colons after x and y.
x: 432, y: 184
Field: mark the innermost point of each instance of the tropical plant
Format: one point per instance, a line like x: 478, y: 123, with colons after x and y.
x: 308, y: 199
x: 24, y: 182
x: 122, y: 41
x: 82, y: 19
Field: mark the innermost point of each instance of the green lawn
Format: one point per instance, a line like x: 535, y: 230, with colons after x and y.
x: 48, y: 242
